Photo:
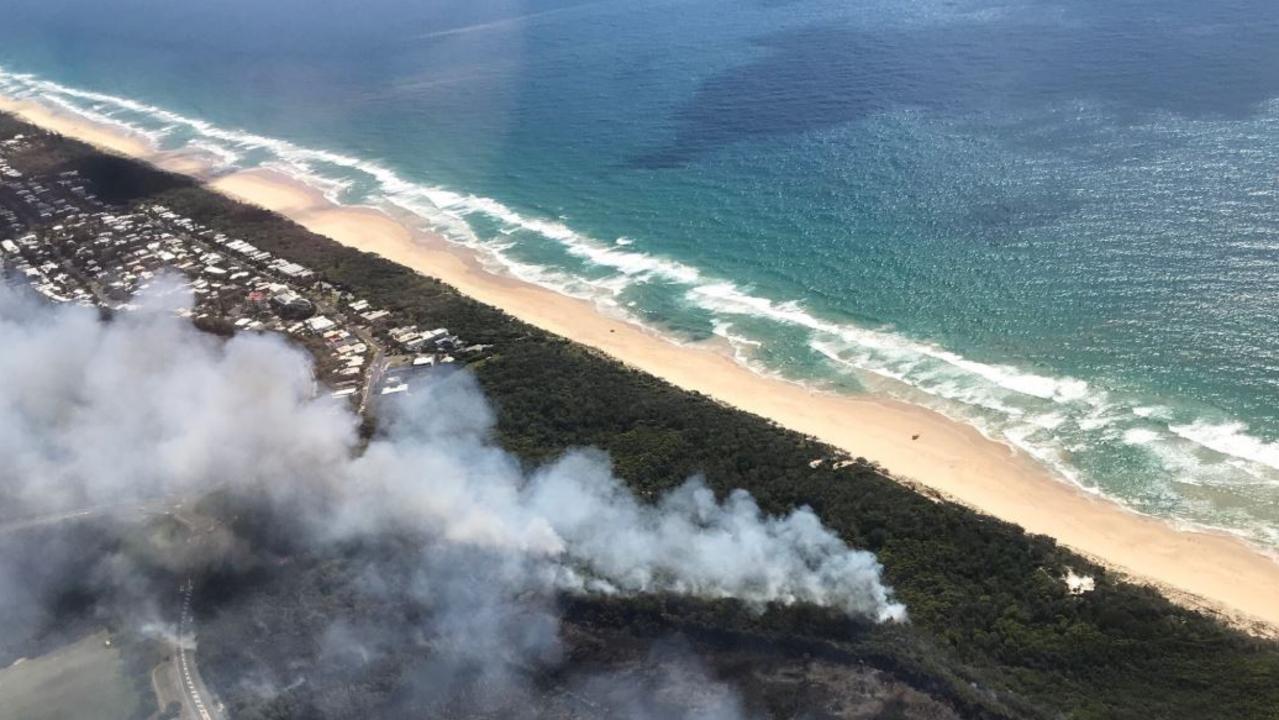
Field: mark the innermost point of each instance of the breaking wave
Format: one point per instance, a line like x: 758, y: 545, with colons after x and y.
x: 1072, y: 425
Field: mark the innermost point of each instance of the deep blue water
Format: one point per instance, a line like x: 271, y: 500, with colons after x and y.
x: 1059, y: 221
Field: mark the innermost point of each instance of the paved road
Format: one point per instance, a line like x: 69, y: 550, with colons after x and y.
x: 198, y: 701
x: 377, y: 365
x: 81, y: 513
x: 372, y: 378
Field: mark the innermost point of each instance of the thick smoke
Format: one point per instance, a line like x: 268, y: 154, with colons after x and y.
x: 144, y: 409
x: 438, y: 467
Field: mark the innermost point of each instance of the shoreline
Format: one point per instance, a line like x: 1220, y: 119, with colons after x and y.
x: 1209, y: 570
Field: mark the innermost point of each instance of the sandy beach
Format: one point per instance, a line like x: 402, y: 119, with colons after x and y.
x: 1208, y: 570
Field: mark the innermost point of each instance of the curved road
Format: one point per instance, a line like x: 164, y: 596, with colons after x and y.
x: 198, y: 702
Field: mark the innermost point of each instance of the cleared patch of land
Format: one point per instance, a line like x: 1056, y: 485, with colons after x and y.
x: 82, y: 680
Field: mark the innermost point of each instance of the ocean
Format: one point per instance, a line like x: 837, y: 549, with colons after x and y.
x: 1058, y: 221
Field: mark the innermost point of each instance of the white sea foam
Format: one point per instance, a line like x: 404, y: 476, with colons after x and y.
x: 890, y: 354
x: 627, y: 262
x: 1140, y: 436
x: 102, y: 118
x: 725, y: 297
x: 907, y: 371
x: 1230, y: 439
x: 744, y: 348
x: 1047, y: 421
x: 224, y: 158
x: 330, y: 187
x: 1019, y: 436
x: 1100, y: 416
x: 1048, y: 417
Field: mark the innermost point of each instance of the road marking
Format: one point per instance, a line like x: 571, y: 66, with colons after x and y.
x: 193, y: 693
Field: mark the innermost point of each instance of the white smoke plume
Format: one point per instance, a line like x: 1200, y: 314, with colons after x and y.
x: 145, y: 407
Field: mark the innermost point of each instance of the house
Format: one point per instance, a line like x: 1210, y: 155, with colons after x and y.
x: 291, y: 305
x: 319, y: 323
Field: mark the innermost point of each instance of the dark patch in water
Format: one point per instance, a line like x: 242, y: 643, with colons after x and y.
x: 1138, y: 58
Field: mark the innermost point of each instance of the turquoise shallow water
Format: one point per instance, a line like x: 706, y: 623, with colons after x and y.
x: 1059, y: 221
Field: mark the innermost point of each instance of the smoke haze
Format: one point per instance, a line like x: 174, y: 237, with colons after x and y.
x: 144, y: 408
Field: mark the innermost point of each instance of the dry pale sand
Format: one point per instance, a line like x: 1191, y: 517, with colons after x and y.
x: 1209, y: 570
x: 106, y: 137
